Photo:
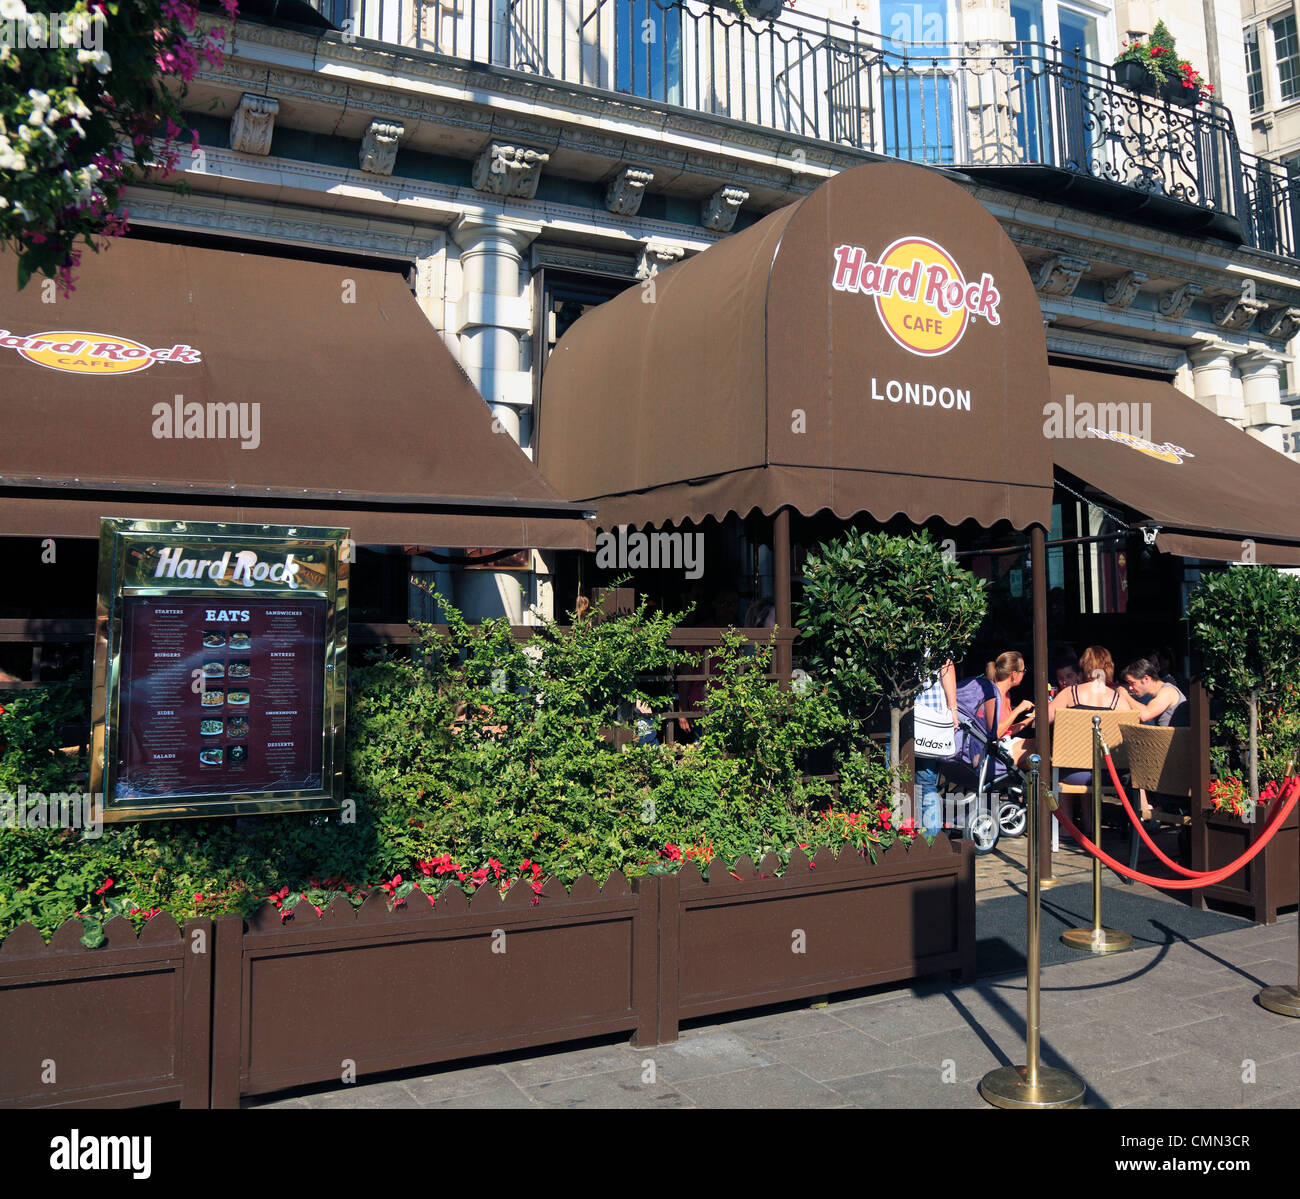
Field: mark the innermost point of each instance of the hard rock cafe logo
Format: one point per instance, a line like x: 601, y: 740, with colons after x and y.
x: 921, y: 295
x: 1165, y: 452
x: 84, y: 353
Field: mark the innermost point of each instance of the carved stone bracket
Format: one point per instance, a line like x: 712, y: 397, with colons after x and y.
x: 1282, y: 324
x: 253, y: 123
x: 1175, y: 302
x: 1060, y: 275
x: 506, y: 170
x: 719, y: 211
x: 1237, y: 313
x: 1122, y: 291
x: 627, y: 189
x: 379, y: 147
x: 655, y: 256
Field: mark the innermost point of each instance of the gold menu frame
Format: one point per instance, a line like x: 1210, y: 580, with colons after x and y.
x: 117, y: 536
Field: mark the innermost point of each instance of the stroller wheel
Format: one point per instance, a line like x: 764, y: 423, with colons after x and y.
x: 982, y: 828
x: 1011, y: 818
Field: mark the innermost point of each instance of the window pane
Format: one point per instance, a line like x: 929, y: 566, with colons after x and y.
x: 1254, y: 71
x: 1288, y: 56
x: 647, y: 45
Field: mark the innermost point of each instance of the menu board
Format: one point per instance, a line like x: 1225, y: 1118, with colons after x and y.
x: 220, y: 696
x: 220, y: 669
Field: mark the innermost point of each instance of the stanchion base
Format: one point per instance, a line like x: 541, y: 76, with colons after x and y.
x: 1285, y: 1001
x: 1006, y: 1087
x: 1103, y: 940
x: 1046, y: 884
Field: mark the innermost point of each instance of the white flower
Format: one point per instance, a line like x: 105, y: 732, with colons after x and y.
x: 103, y: 64
x: 3, y: 202
x: 12, y: 10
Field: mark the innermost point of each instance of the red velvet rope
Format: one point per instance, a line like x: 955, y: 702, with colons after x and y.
x: 1142, y: 832
x: 1275, y: 821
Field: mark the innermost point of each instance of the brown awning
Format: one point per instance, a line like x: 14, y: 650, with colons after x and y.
x: 746, y: 378
x: 1208, y: 486
x: 122, y: 400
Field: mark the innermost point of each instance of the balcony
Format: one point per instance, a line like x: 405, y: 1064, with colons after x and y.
x: 1030, y: 117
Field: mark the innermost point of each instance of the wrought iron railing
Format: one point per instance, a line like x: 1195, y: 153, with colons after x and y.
x: 991, y: 104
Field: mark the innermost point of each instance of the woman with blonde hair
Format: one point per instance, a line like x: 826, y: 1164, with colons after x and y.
x: 1097, y: 693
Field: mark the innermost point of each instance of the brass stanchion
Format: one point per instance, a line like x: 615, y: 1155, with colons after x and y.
x: 1096, y: 939
x: 1285, y: 1001
x: 1033, y: 1084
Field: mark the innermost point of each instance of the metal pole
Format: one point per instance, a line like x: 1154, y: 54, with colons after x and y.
x: 781, y: 569
x: 1032, y: 1085
x: 1042, y: 726
x: 1096, y: 939
x: 1285, y: 1001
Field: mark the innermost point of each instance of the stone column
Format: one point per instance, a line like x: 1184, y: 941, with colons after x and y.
x: 1212, y: 378
x: 492, y: 316
x: 1266, y: 415
x: 494, y: 323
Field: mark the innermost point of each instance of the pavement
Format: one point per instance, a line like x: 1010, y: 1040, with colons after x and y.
x: 1174, y: 1026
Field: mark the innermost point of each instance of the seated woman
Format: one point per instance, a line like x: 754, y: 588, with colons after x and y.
x: 1097, y: 693
x: 987, y: 700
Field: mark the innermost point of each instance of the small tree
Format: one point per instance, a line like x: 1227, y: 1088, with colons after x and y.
x: 1245, y: 622
x: 880, y: 614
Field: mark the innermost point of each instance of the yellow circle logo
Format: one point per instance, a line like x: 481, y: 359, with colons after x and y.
x: 1168, y: 452
x: 925, y: 310
x: 86, y: 353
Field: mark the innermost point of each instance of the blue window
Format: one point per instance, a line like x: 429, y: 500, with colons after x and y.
x: 647, y: 50
x: 917, y: 105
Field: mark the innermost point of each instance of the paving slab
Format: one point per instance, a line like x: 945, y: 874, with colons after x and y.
x: 833, y: 1055
x: 773, y: 1086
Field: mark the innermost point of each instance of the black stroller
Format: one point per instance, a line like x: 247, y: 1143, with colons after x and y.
x: 984, y: 781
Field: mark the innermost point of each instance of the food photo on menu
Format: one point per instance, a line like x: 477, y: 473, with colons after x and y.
x: 240, y: 641
x: 214, y: 697
x: 210, y: 728
x: 213, y: 640
x: 212, y: 757
x: 239, y: 669
x: 237, y: 698
x: 214, y: 670
x: 236, y: 726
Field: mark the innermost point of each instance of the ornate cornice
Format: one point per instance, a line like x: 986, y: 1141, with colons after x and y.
x: 627, y: 189
x: 1175, y: 302
x: 378, y: 153
x: 1060, y: 275
x: 720, y: 210
x: 1121, y: 291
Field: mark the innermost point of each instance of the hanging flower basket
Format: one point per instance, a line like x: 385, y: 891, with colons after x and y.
x: 1131, y: 74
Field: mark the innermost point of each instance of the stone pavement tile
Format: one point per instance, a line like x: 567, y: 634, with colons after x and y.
x: 295, y: 1102
x: 620, y: 1088
x: 1189, y: 1079
x: 784, y: 1026
x: 918, y: 1086
x: 383, y: 1094
x: 450, y: 1083
x: 720, y: 1051
x: 576, y: 1063
x: 499, y: 1095
x: 965, y: 1052
x: 904, y: 1018
x: 834, y: 1055
x: 774, y: 1086
x: 1101, y: 1045
x: 1260, y: 1044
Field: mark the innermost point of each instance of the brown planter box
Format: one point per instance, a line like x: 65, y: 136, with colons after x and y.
x: 284, y: 1004
x: 1266, y: 883
x: 729, y: 943
x: 426, y: 983
x: 123, y: 1025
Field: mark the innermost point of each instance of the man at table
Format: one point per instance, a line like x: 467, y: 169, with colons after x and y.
x: 1157, y: 702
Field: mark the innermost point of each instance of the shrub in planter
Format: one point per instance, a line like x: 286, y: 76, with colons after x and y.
x: 475, y: 761
x: 879, y: 614
x: 1245, y: 623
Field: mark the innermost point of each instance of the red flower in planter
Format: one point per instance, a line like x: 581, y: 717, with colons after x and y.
x: 671, y: 852
x: 908, y: 827
x: 480, y: 875
x: 104, y: 886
